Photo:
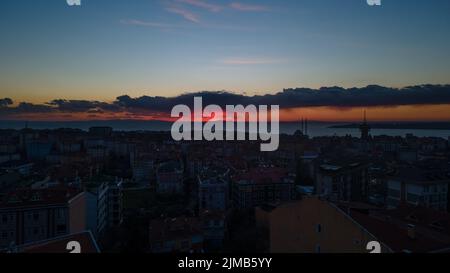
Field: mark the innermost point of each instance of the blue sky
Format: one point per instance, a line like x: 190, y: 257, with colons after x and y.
x: 108, y: 48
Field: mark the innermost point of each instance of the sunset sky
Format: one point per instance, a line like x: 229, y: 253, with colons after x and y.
x: 73, y: 63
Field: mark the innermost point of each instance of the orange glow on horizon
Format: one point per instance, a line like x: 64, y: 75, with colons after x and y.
x: 379, y: 113
x: 331, y: 114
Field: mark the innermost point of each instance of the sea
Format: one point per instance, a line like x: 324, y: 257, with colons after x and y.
x: 315, y: 129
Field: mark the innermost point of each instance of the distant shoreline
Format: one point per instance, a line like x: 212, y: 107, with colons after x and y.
x: 401, y: 126
x: 315, y: 128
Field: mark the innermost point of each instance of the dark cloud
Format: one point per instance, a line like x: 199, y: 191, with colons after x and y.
x: 304, y: 97
x: 25, y: 107
x: 5, y: 102
x: 163, y: 104
x: 78, y: 106
x: 289, y: 98
x: 95, y: 111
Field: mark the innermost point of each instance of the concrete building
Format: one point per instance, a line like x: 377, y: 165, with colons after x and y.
x: 28, y: 216
x: 407, y: 155
x: 262, y: 185
x: 120, y: 148
x: 143, y: 168
x: 69, y: 146
x: 97, y: 153
x: 416, y: 186
x: 100, y: 131
x: 169, y: 178
x: 109, y: 205
x: 8, y: 180
x: 38, y: 149
x: 83, y: 213
x: 213, y: 193
x: 8, y: 157
x: 343, y: 179
x: 214, y: 229
x: 8, y: 148
x: 312, y: 226
x: 176, y: 235
x: 19, y: 166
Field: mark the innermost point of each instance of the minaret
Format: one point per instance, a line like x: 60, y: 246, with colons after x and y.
x: 306, y: 126
x: 364, y: 128
x: 303, y: 126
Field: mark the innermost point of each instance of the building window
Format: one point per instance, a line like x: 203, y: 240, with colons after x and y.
x: 36, y: 216
x: 319, y: 228
x: 185, y: 244
x: 157, y: 245
x: 394, y: 193
x: 4, y: 219
x: 318, y: 249
x: 60, y: 228
x: 413, y: 198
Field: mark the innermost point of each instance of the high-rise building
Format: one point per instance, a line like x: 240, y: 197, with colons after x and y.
x: 28, y: 216
x: 213, y: 193
x: 416, y: 186
x: 109, y: 205
x: 344, y: 179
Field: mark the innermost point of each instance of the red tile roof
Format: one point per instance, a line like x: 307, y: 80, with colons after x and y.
x: 396, y: 237
x: 421, y: 216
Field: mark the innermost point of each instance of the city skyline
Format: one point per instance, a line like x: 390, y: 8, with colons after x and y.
x: 204, y: 134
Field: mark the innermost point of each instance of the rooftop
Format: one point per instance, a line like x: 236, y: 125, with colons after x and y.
x: 421, y: 175
x: 25, y: 198
x: 173, y: 228
x: 59, y: 245
x: 397, y: 238
x: 262, y: 176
